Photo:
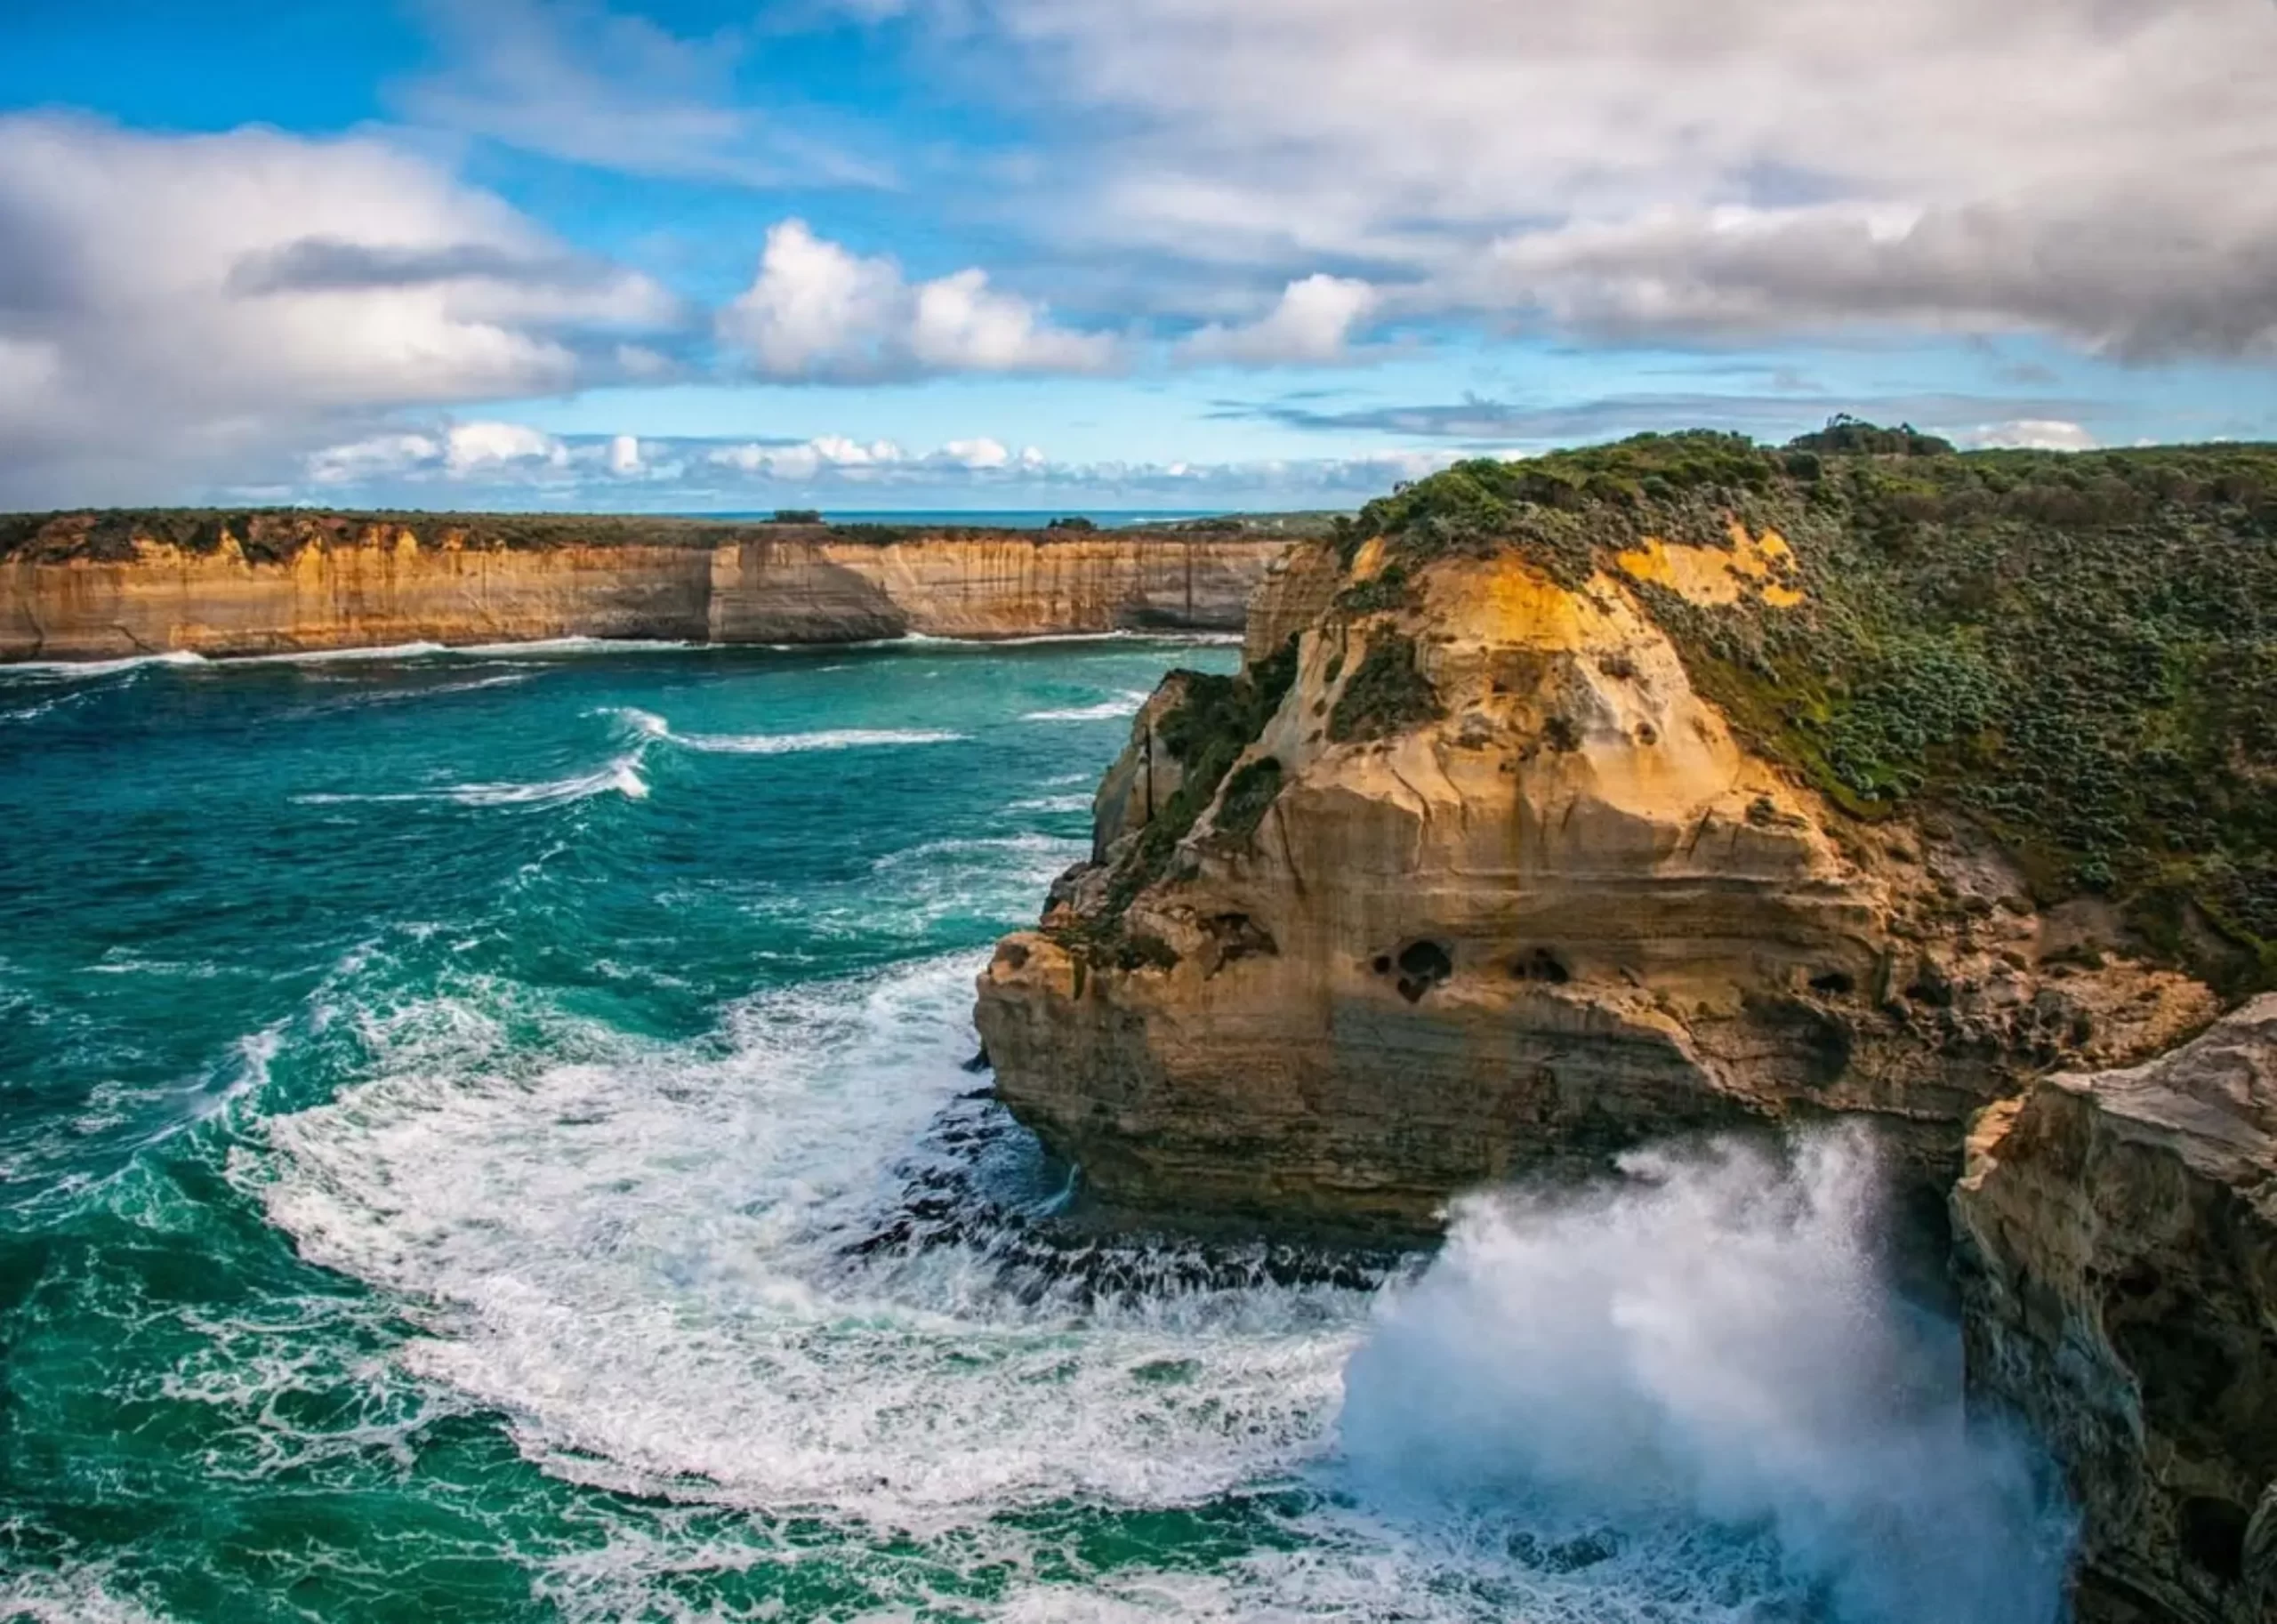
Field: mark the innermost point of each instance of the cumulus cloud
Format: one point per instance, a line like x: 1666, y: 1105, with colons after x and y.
x: 2029, y: 434
x: 1312, y: 324
x: 1655, y: 166
x: 171, y: 306
x: 456, y: 451
x: 491, y: 463
x: 818, y: 311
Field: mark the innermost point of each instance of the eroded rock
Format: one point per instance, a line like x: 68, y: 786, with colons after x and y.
x: 2117, y: 1234
x: 1528, y: 900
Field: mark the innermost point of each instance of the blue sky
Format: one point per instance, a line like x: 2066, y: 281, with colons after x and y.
x: 1108, y: 253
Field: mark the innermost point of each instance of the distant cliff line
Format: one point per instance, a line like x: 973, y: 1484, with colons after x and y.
x: 92, y: 586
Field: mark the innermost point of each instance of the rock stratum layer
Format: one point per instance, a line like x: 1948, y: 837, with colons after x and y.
x: 2118, y: 1238
x: 1492, y: 887
x: 278, y: 583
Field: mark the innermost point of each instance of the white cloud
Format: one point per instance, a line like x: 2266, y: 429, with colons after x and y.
x: 624, y: 457
x: 982, y: 453
x: 503, y: 464
x: 471, y: 446
x: 380, y: 456
x: 173, y: 306
x: 828, y: 453
x: 1312, y: 324
x: 2029, y: 434
x: 816, y: 311
x: 2099, y: 171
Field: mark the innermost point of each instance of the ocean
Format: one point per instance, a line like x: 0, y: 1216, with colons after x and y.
x: 486, y: 1135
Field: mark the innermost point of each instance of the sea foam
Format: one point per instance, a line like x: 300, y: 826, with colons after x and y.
x: 1713, y: 1338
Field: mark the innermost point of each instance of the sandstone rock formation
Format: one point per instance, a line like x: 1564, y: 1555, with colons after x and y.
x: 2118, y: 1237
x: 1492, y: 886
x: 377, y: 583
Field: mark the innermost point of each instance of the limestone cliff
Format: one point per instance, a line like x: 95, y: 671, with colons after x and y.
x: 2118, y: 1233
x: 272, y: 583
x: 1465, y: 875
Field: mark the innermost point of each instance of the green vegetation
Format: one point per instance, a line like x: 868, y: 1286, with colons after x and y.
x: 2077, y: 650
x: 1075, y: 522
x: 276, y: 534
x: 1850, y: 435
x: 1249, y: 796
x: 1386, y: 695
x: 1219, y: 718
x: 1388, y: 588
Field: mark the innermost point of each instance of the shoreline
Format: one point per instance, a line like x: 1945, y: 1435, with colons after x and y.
x: 573, y: 646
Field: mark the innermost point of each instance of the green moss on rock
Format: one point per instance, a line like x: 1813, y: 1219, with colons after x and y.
x: 1386, y: 694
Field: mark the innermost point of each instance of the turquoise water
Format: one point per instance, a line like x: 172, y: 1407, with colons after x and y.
x: 484, y: 1135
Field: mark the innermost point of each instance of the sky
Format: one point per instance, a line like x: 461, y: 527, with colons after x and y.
x: 1099, y: 255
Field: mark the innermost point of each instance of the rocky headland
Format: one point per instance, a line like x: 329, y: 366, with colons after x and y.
x: 1685, y: 785
x: 90, y: 586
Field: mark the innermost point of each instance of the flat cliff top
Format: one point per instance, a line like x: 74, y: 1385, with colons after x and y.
x: 274, y: 534
x: 2077, y: 652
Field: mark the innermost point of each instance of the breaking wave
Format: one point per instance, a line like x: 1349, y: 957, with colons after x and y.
x: 652, y: 725
x: 70, y: 669
x: 1125, y: 703
x: 1715, y: 1338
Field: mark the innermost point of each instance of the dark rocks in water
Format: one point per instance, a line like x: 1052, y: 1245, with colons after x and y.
x: 979, y: 1182
x: 980, y: 1062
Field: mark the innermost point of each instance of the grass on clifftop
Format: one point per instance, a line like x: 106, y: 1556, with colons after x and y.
x: 2078, y: 649
x: 276, y: 534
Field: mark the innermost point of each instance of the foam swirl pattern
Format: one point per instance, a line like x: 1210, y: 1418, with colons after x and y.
x: 483, y: 1136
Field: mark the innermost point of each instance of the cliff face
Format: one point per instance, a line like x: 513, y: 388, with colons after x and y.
x: 2118, y: 1247
x: 378, y: 583
x: 1468, y: 877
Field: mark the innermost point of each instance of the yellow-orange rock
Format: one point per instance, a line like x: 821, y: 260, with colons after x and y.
x: 1569, y: 912
x: 378, y: 585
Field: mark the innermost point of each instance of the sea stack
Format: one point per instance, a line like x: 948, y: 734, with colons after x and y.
x: 1468, y: 874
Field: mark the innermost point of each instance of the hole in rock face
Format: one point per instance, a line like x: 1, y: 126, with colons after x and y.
x: 1541, y: 965
x: 1838, y: 981
x: 1422, y: 965
x: 1647, y: 734
x: 2213, y: 1535
x: 1382, y: 965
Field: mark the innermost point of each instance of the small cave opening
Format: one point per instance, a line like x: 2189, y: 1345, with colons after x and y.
x: 1543, y: 966
x: 1422, y: 965
x: 1839, y: 983
x: 2213, y: 1535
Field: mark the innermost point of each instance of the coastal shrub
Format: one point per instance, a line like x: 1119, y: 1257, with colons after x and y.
x: 1249, y: 795
x: 1855, y: 436
x: 1218, y: 718
x: 274, y: 535
x: 2077, y: 650
x: 1389, y: 589
x: 1386, y: 694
